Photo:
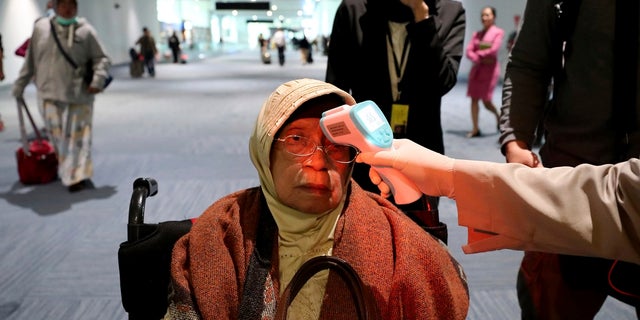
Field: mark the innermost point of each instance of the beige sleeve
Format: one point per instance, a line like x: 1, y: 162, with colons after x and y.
x: 587, y: 210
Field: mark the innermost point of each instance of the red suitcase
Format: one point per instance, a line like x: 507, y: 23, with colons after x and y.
x: 37, y: 160
x: 39, y: 164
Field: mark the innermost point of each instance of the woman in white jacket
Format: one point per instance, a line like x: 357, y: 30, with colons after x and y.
x: 64, y: 98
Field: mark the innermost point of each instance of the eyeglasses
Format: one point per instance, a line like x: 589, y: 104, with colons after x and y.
x: 301, y: 146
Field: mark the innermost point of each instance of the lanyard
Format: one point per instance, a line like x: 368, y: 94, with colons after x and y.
x: 398, y: 66
x: 403, y: 59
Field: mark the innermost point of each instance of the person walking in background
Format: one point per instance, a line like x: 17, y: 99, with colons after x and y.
x: 148, y: 50
x: 324, y: 42
x: 511, y: 39
x: 404, y: 56
x: 174, y: 45
x: 483, y: 50
x: 1, y: 60
x: 279, y: 41
x: 265, y: 55
x: 65, y: 100
x: 262, y: 43
x: 49, y: 12
x: 588, y: 50
x: 1, y: 75
x: 305, y: 50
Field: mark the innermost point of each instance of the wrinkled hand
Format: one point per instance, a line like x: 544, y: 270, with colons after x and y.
x: 517, y: 152
x: 430, y: 171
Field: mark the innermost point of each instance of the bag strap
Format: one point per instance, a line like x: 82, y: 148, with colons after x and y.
x: 365, y: 304
x: 23, y: 131
x: 64, y: 53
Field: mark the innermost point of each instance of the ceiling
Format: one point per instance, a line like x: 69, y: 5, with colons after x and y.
x: 287, y: 12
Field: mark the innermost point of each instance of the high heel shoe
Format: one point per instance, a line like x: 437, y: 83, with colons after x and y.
x: 474, y: 134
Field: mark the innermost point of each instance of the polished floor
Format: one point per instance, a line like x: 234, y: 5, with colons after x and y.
x: 188, y: 128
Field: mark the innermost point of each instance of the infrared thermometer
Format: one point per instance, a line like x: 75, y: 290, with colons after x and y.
x: 364, y: 126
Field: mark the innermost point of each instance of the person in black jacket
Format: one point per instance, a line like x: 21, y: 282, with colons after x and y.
x: 148, y: 50
x: 591, y: 66
x: 174, y: 44
x: 408, y: 82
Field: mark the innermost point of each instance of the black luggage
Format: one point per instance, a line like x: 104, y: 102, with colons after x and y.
x: 266, y: 57
x: 136, y: 68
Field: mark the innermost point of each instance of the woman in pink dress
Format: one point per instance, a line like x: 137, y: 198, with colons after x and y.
x: 482, y: 50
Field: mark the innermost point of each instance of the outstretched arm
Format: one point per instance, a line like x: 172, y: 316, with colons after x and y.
x: 586, y: 210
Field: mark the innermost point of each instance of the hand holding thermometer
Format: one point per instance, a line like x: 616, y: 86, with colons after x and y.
x: 364, y: 126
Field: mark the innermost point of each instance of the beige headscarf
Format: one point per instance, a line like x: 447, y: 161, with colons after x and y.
x: 301, y: 235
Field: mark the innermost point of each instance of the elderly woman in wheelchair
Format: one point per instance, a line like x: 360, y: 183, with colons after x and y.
x: 244, y: 250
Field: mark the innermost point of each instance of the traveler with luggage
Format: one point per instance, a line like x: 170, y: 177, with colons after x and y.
x: 65, y: 99
x: 148, y: 50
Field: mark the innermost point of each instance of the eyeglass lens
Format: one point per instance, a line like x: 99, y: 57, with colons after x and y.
x: 302, y: 146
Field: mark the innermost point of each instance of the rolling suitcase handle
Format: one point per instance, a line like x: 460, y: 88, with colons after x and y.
x: 23, y: 132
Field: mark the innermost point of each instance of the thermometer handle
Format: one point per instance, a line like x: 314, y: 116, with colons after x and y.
x: 404, y: 190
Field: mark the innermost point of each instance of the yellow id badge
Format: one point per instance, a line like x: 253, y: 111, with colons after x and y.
x: 399, y: 118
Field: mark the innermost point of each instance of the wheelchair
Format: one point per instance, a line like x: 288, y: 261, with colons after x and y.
x: 144, y: 259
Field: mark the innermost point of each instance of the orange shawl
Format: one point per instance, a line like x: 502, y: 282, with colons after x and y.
x: 411, y: 275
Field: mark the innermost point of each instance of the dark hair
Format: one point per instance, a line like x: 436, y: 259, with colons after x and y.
x: 493, y: 10
x: 55, y: 3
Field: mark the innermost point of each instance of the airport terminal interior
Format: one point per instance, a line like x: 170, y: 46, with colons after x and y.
x: 188, y: 128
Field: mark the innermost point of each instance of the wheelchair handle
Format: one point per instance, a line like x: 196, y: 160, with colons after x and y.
x: 142, y: 188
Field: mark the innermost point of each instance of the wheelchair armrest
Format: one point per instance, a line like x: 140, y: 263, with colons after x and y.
x: 145, y: 266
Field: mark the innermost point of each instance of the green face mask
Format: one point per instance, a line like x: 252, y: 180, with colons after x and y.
x: 66, y: 22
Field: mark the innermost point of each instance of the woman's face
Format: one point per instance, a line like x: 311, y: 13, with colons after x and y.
x: 313, y: 183
x: 487, y: 17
